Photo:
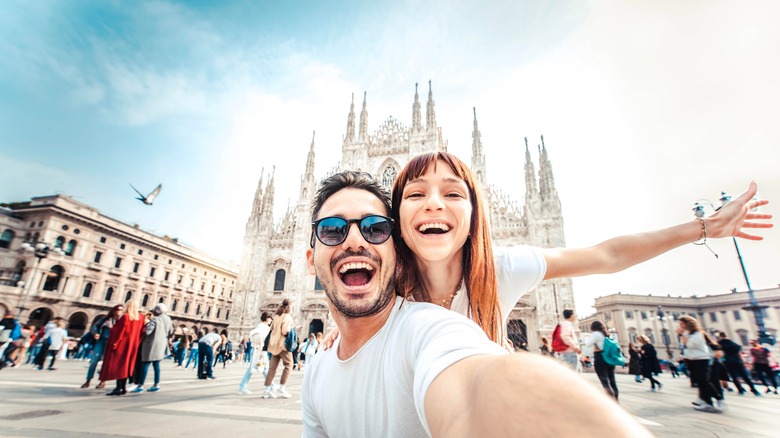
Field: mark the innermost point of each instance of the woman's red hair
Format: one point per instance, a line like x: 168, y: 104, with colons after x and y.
x: 479, y: 271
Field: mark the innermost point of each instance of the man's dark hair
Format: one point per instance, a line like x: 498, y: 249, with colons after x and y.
x: 265, y: 316
x: 349, y: 179
x: 722, y: 335
x: 567, y: 313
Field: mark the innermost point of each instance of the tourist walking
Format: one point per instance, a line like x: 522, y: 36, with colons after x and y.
x: 280, y: 326
x: 44, y: 343
x: 248, y: 349
x: 698, y: 356
x: 224, y: 351
x: 101, y: 331
x: 761, y: 367
x: 206, y: 346
x: 154, y: 347
x: 256, y: 336
x: 182, y: 345
x: 735, y: 366
x: 122, y: 348
x: 192, y: 357
x: 635, y: 362
x: 307, y: 350
x: 650, y: 365
x: 604, y: 371
x: 57, y: 339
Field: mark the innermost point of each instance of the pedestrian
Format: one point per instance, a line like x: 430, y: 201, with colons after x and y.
x: 154, y: 347
x: 222, y: 351
x: 16, y: 348
x: 320, y: 339
x: 735, y: 366
x: 206, y: 346
x: 307, y: 350
x: 761, y: 368
x: 698, y: 356
x: 719, y: 376
x: 240, y: 351
x: 100, y: 332
x: 604, y: 371
x: 256, y: 336
x: 410, y: 369
x: 57, y: 339
x: 248, y: 350
x: 565, y: 341
x: 192, y: 357
x: 280, y: 326
x: 45, y: 342
x: 182, y: 348
x: 672, y: 367
x: 635, y: 362
x: 650, y: 365
x: 122, y: 348
x: 545, y: 348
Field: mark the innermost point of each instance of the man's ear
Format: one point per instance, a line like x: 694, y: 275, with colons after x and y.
x: 310, y: 261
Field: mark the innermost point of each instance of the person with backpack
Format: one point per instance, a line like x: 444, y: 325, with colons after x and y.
x: 650, y: 365
x: 564, y: 340
x: 604, y: 371
x: 280, y: 327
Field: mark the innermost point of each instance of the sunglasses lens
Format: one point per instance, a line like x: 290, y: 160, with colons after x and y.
x: 375, y: 229
x: 332, y: 231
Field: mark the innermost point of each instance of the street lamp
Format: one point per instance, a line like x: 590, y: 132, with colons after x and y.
x: 40, y: 250
x: 664, y: 332
x: 757, y: 309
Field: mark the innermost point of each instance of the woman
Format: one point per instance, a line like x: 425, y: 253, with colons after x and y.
x: 445, y: 255
x: 650, y: 365
x: 101, y: 331
x: 122, y: 348
x: 280, y: 326
x: 605, y: 372
x: 222, y: 352
x: 698, y: 356
x: 634, y: 362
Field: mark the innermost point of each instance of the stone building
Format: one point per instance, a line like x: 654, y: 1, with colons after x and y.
x: 104, y: 262
x: 628, y: 316
x: 273, y: 265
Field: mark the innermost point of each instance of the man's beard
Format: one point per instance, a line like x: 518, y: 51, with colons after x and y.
x: 351, y: 311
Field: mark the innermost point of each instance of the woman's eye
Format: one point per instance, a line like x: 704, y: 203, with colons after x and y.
x: 414, y: 195
x: 455, y: 195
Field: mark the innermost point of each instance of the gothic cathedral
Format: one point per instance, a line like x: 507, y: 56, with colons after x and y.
x: 273, y: 266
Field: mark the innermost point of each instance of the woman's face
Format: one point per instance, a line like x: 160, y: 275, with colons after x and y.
x: 435, y: 214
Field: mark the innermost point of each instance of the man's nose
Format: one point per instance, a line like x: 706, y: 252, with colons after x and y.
x: 354, y: 239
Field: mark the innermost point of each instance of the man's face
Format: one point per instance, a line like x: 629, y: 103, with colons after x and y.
x: 358, y: 277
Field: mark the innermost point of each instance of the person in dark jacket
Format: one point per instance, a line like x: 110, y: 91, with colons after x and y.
x: 650, y: 365
x: 732, y: 360
x: 635, y: 362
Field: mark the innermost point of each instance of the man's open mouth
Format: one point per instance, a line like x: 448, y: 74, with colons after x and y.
x: 434, y: 228
x: 356, y: 274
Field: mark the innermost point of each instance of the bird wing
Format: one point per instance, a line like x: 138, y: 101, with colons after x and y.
x: 154, y: 193
x: 142, y: 197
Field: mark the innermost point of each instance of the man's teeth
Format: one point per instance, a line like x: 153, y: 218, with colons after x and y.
x: 353, y: 266
x: 444, y: 227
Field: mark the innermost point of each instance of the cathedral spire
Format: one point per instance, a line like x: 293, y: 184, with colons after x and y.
x: 257, y: 204
x: 268, y: 203
x: 350, y: 135
x: 308, y: 184
x: 363, y: 120
x: 531, y: 189
x: 430, y: 114
x: 416, y: 118
x: 548, y: 194
x: 477, y: 154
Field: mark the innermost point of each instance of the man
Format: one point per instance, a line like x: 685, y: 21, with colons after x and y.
x: 45, y: 342
x: 206, y: 346
x: 761, y: 367
x: 414, y: 369
x: 569, y: 337
x: 154, y: 347
x: 732, y: 360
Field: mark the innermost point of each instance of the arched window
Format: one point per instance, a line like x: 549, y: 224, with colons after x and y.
x: 6, y: 238
x: 145, y: 300
x: 649, y: 334
x: 128, y: 296
x: 70, y: 247
x: 317, y: 284
x: 35, y: 237
x: 187, y: 307
x: 60, y: 242
x: 208, y: 312
x: 218, y: 312
x: 52, y: 282
x: 87, y: 290
x: 174, y: 305
x: 279, y: 280
x: 632, y: 335
x: 161, y: 300
x: 109, y: 293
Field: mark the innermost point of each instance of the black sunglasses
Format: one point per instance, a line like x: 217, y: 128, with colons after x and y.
x: 332, y: 231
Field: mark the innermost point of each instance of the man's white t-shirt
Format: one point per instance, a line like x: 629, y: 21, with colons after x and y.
x: 518, y: 270
x: 381, y: 389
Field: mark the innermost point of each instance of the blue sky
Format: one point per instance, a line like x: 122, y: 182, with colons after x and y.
x: 645, y: 107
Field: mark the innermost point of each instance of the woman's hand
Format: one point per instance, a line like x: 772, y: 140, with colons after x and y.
x: 328, y: 340
x: 733, y: 217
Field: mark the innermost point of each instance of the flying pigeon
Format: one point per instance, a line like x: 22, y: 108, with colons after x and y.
x: 148, y: 199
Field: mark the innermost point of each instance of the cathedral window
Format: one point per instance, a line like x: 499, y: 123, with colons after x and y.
x: 109, y: 293
x: 317, y: 284
x: 388, y: 177
x: 6, y: 238
x: 128, y: 296
x: 279, y: 280
x: 52, y: 282
x: 87, y: 290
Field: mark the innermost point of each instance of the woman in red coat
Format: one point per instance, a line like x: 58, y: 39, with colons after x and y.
x: 122, y: 347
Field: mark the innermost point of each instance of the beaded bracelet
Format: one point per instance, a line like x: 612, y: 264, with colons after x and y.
x: 702, y: 240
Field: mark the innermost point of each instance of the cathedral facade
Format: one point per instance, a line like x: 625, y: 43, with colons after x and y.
x: 273, y: 266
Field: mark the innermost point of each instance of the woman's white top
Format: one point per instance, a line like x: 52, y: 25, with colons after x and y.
x: 696, y: 347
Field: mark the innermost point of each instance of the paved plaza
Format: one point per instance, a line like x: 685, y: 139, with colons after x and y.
x: 50, y: 403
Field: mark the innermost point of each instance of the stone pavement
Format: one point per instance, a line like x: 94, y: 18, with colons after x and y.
x: 44, y: 403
